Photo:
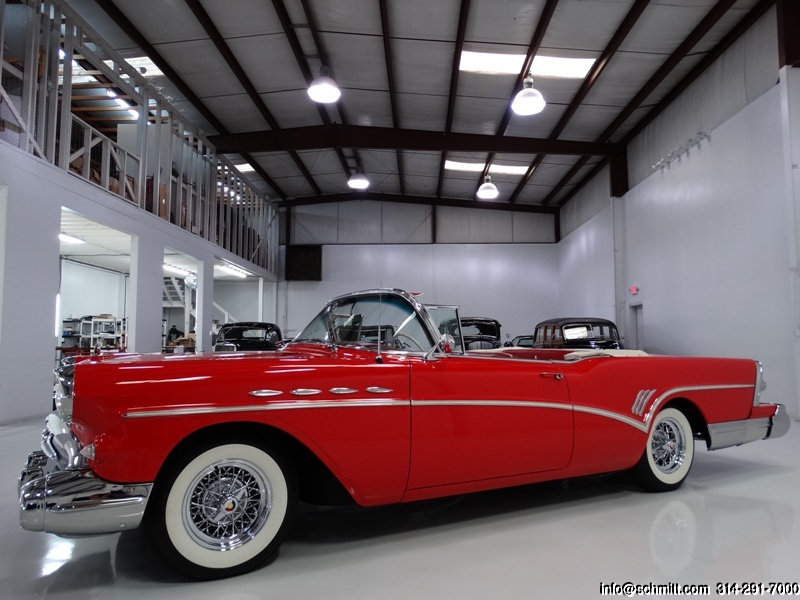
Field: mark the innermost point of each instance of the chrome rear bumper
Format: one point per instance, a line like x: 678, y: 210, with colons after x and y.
x: 736, y: 433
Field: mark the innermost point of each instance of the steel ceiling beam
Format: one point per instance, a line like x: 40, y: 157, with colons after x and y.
x: 426, y: 200
x: 387, y: 51
x: 387, y: 138
x: 734, y: 34
x: 302, y: 62
x: 788, y: 33
x: 222, y: 46
x: 591, y: 78
x: 463, y: 14
x: 136, y: 36
x: 703, y: 27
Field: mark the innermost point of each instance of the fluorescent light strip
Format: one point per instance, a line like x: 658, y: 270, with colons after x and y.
x: 176, y: 270
x: 511, y: 64
x: 68, y: 239
x: 452, y: 165
x: 142, y: 64
x: 234, y: 270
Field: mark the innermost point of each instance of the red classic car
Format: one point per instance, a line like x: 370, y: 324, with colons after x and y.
x: 371, y: 403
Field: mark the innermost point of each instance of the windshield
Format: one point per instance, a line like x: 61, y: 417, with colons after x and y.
x: 370, y: 320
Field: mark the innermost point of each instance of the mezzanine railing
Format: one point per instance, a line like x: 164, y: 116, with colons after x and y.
x: 67, y: 98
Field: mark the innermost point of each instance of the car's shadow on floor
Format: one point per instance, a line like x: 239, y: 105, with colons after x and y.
x: 320, y: 531
x: 326, y: 528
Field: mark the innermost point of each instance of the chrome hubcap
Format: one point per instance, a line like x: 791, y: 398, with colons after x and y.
x: 668, y: 446
x: 227, y: 504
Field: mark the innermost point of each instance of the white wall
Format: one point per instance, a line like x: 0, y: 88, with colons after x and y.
x: 514, y: 283
x: 86, y: 290
x: 707, y: 243
x: 711, y: 241
x: 240, y: 298
x: 586, y: 269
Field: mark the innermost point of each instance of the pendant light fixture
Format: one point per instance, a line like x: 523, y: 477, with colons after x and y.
x: 488, y: 190
x: 529, y: 100
x: 358, y: 181
x: 324, y: 89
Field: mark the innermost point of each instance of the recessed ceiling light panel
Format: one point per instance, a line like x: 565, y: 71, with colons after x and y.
x: 511, y: 64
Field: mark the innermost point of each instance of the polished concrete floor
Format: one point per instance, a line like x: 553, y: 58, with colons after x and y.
x: 736, y: 519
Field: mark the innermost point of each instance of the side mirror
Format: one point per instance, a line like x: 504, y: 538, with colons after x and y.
x: 447, y: 343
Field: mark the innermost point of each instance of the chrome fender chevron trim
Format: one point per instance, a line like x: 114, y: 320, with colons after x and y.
x: 642, y: 398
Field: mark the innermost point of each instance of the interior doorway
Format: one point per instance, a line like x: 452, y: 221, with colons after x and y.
x: 635, y: 339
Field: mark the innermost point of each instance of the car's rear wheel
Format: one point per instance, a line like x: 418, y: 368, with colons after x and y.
x: 668, y: 455
x: 222, y: 509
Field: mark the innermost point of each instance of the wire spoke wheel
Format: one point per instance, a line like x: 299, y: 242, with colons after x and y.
x: 222, y: 509
x: 668, y: 445
x: 228, y: 505
x: 667, y: 457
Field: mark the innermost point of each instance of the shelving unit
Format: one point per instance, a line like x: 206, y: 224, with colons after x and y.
x: 70, y: 333
x: 103, y: 332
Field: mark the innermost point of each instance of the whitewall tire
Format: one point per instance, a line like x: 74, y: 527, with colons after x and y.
x: 222, y: 510
x: 668, y: 455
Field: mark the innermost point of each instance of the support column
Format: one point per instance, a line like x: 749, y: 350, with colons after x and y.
x: 204, y: 306
x: 790, y: 115
x: 29, y: 281
x: 146, y: 296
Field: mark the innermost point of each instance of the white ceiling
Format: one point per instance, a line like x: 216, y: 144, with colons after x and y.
x: 110, y: 249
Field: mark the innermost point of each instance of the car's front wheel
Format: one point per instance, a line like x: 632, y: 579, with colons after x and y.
x: 222, y: 509
x: 668, y: 455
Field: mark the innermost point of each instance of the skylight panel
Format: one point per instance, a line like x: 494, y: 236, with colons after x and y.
x: 511, y: 64
x: 452, y: 165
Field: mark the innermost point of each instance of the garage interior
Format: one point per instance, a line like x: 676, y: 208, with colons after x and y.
x: 658, y: 188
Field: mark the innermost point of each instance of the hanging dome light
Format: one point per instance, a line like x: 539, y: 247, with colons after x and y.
x: 358, y: 181
x: 528, y: 101
x: 324, y: 89
x: 488, y: 190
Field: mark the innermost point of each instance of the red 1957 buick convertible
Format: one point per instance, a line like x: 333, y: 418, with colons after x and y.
x: 374, y: 402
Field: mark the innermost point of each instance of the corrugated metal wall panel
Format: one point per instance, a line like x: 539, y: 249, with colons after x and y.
x: 372, y: 222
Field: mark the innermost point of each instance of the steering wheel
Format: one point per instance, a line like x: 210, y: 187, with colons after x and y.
x: 399, y: 345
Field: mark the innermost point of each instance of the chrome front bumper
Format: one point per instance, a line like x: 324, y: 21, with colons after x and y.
x: 736, y: 433
x: 57, y: 494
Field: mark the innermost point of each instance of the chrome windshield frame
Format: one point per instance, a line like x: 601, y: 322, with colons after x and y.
x: 426, y: 320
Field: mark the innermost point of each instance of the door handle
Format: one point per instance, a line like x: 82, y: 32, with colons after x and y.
x: 556, y: 376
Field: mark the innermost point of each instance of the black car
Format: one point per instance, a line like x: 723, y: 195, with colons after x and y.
x: 577, y: 332
x: 521, y: 341
x: 480, y: 333
x: 248, y: 335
